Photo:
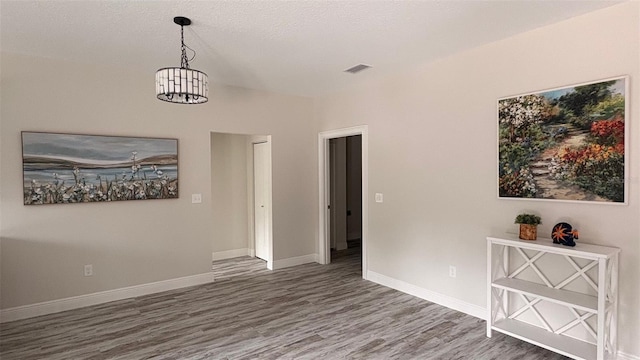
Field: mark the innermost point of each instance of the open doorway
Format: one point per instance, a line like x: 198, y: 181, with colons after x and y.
x: 357, y: 225
x: 241, y: 203
x: 345, y: 196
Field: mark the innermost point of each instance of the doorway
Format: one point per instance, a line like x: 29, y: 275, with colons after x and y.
x: 325, y: 193
x: 233, y: 189
x: 345, y: 196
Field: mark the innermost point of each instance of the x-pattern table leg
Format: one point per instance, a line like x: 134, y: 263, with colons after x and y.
x: 609, y: 337
x: 530, y: 262
x: 529, y: 305
x: 498, y: 295
x: 580, y: 319
x: 579, y: 272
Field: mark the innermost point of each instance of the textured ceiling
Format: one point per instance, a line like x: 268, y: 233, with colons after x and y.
x: 293, y: 47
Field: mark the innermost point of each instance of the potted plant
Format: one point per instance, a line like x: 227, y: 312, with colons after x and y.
x: 528, y: 226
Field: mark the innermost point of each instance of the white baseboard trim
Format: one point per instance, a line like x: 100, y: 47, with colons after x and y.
x: 295, y: 261
x: 625, y: 356
x: 252, y: 252
x: 447, y: 301
x: 54, y: 306
x: 428, y: 295
x: 229, y: 254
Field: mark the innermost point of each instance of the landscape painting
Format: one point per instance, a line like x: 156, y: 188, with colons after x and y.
x: 68, y: 168
x: 565, y: 144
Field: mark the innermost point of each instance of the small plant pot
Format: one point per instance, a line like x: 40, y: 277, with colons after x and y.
x: 528, y: 232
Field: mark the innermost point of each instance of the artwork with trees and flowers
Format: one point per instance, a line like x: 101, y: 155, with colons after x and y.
x: 565, y: 144
x: 68, y: 168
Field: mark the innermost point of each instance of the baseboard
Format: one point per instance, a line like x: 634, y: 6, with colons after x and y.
x: 54, y: 306
x: 229, y: 254
x: 447, y: 301
x: 428, y: 295
x: 625, y: 356
x: 295, y: 261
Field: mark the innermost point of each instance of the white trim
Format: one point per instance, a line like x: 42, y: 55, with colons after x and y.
x: 295, y: 261
x: 448, y: 301
x: 625, y: 356
x: 229, y: 254
x: 54, y: 306
x: 324, y: 255
x: 250, y: 220
x: 440, y: 299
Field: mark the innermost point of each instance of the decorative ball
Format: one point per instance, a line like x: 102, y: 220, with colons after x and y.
x: 564, y: 234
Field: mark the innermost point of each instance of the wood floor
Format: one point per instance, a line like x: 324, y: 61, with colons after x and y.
x: 306, y: 312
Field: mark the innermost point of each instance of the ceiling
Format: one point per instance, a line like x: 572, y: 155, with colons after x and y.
x: 293, y: 47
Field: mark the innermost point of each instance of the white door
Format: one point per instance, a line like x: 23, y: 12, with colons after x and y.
x: 260, y: 199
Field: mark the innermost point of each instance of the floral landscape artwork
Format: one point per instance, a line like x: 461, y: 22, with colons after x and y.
x: 564, y: 144
x: 68, y: 168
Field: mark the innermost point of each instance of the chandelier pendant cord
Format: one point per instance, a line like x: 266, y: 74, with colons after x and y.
x: 184, y: 60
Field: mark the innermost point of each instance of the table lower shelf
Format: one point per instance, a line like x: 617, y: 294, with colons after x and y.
x: 559, y: 343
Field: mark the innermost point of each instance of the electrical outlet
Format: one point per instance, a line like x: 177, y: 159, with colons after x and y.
x: 88, y: 270
x: 452, y: 271
x: 196, y: 198
x: 379, y: 197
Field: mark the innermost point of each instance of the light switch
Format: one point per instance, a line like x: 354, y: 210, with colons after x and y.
x: 196, y: 198
x: 378, y: 197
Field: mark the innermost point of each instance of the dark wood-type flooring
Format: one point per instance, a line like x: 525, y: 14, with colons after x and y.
x: 305, y: 312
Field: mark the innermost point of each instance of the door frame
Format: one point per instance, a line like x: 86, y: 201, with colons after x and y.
x: 251, y: 198
x: 324, y: 252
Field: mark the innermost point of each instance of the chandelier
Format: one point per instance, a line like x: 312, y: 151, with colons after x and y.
x: 182, y: 85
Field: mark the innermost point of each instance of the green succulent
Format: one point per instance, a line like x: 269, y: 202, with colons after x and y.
x: 528, y: 219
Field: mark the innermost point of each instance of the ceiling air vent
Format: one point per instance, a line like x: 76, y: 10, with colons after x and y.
x: 357, y: 68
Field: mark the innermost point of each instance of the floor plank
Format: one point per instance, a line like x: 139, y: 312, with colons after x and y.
x: 305, y: 312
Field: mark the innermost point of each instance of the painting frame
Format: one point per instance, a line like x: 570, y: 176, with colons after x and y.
x: 62, y: 168
x: 565, y: 144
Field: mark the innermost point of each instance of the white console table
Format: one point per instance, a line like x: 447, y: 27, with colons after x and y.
x: 504, y: 284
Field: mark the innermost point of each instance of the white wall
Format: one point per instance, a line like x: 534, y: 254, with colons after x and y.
x: 229, y: 192
x: 433, y: 151
x: 44, y: 248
